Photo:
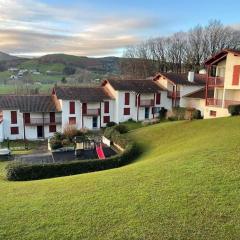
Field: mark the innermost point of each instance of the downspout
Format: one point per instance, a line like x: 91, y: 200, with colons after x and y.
x: 24, y: 131
x: 138, y: 103
x: 206, y: 93
x: 43, y: 125
x: 154, y: 99
x: 100, y: 115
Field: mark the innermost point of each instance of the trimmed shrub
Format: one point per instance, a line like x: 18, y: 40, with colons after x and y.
x: 121, y: 128
x: 162, y: 113
x: 197, y: 114
x: 234, y: 109
x: 56, y: 141
x: 179, y: 112
x: 172, y: 118
x: 111, y: 124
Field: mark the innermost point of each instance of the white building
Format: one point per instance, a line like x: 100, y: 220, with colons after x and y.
x: 136, y: 99
x: 29, y: 117
x: 180, y: 84
x: 224, y: 80
x: 197, y: 99
x: 85, y: 107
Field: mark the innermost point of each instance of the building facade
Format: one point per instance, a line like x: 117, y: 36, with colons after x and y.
x: 223, y: 78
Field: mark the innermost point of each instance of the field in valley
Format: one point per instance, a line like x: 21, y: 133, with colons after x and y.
x: 185, y: 185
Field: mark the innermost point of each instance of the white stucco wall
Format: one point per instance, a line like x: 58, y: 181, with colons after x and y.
x: 66, y: 113
x: 197, y: 103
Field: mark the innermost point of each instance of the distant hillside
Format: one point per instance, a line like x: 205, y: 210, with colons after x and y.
x: 7, y: 57
x: 100, y: 65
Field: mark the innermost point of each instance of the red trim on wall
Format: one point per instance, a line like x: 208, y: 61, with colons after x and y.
x: 236, y: 74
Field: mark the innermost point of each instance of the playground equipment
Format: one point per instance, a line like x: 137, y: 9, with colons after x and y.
x: 100, y: 152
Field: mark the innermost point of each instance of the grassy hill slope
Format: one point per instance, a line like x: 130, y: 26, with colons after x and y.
x: 184, y: 186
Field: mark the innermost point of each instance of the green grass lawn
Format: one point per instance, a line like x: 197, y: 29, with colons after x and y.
x: 185, y: 185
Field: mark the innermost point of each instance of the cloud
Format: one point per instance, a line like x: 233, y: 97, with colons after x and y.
x: 32, y: 27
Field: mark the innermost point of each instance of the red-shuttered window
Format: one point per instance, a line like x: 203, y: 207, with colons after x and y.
x: 106, y: 119
x: 84, y: 108
x: 236, y: 74
x: 13, y: 117
x: 127, y: 98
x: 106, y: 107
x: 158, y: 98
x: 52, y: 128
x: 213, y: 113
x: 72, y: 107
x: 14, y: 130
x: 26, y: 118
x: 72, y: 120
x: 52, y: 117
x: 126, y: 111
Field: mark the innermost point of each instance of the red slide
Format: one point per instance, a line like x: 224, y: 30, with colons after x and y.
x: 100, y: 152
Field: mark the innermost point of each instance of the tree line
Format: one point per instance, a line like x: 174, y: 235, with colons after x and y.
x: 180, y: 52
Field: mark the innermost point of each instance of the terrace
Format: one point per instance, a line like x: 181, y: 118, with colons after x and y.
x: 220, y: 102
x: 146, y: 103
x: 215, y: 81
x: 91, y: 112
x: 41, y: 121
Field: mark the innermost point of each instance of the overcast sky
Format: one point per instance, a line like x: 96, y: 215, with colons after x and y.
x: 100, y: 27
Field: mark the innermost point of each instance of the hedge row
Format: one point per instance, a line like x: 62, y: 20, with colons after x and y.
x: 21, y: 172
x: 234, y: 110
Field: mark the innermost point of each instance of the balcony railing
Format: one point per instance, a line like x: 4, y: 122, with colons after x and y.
x: 216, y: 81
x: 221, y: 103
x: 146, y: 103
x: 171, y: 94
x: 91, y: 112
x: 41, y: 121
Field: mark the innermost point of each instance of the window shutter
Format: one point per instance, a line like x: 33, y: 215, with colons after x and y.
x: 106, y: 119
x: 158, y: 98
x: 236, y: 72
x: 127, y: 96
x: 14, y: 130
x: 72, y: 107
x: 106, y: 107
x: 72, y: 120
x: 126, y: 111
x: 26, y: 118
x: 52, y: 117
x: 84, y: 108
x: 52, y: 128
x: 13, y: 117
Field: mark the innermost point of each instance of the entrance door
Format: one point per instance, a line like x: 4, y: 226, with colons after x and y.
x: 146, y: 112
x: 40, y: 131
x: 94, y: 122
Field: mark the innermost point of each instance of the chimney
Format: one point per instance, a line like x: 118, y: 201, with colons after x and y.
x: 190, y: 76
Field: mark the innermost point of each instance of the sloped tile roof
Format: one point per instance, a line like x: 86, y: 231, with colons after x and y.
x: 138, y: 86
x: 182, y: 78
x: 84, y: 94
x: 28, y: 103
x: 200, y: 94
